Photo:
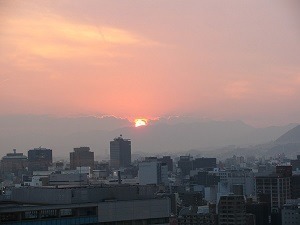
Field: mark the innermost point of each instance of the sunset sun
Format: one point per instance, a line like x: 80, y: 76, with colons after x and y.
x: 140, y: 122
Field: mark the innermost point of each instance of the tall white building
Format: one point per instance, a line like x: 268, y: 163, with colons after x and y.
x: 153, y: 172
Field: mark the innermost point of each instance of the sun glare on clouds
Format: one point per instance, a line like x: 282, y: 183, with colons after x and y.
x: 140, y: 122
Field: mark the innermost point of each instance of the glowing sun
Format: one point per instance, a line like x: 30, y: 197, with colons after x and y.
x: 140, y: 122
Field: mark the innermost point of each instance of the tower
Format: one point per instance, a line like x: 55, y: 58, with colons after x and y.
x: 120, y: 153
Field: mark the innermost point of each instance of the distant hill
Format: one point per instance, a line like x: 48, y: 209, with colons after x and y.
x: 161, y: 136
x: 292, y: 136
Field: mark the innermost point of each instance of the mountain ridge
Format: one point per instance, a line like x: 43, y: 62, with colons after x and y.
x: 63, y: 135
x: 292, y: 136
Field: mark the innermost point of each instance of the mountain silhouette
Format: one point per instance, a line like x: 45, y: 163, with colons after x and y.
x: 160, y: 136
x: 292, y: 136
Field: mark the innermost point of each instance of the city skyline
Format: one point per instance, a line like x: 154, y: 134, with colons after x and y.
x: 150, y: 59
x: 149, y: 112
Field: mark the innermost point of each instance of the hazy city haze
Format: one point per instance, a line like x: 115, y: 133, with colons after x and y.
x: 166, y: 135
x: 224, y: 60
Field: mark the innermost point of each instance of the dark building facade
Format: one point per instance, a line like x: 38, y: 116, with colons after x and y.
x: 13, y: 163
x: 204, y: 163
x: 81, y: 156
x: 232, y: 210
x: 191, y: 198
x: 205, y: 179
x: 168, y: 161
x: 296, y: 163
x: 285, y: 171
x: 194, y: 215
x: 185, y: 164
x: 295, y: 186
x: 120, y: 153
x: 277, y: 187
x: 39, y: 159
x: 260, y: 210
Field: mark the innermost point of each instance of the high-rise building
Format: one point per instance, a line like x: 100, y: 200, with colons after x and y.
x: 277, y: 187
x: 13, y: 163
x: 39, y: 159
x: 232, y: 210
x: 120, y: 153
x: 81, y: 156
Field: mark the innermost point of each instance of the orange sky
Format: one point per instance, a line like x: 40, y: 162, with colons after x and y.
x: 213, y: 58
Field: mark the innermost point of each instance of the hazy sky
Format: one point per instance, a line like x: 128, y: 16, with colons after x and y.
x: 216, y: 59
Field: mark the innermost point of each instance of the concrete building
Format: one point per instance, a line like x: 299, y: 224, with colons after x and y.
x: 277, y: 187
x: 291, y: 213
x: 145, y: 211
x: 120, y: 153
x: 295, y: 186
x: 230, y: 178
x: 153, y: 172
x: 68, y: 179
x: 210, y: 194
x: 205, y: 178
x: 122, y: 204
x: 39, y: 159
x: 296, y: 163
x: 285, y: 171
x: 168, y: 161
x: 185, y: 164
x: 197, y: 215
x: 35, y: 180
x: 14, y: 163
x: 77, y: 194
x: 261, y: 212
x: 81, y: 156
x: 108, y: 212
x: 232, y: 210
x: 204, y: 163
x: 191, y: 198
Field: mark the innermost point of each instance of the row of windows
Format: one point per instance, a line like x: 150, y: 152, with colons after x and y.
x: 60, y: 221
x: 87, y: 221
x: 49, y: 213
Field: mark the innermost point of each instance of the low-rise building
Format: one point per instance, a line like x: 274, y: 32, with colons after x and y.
x: 102, y: 204
x: 291, y: 212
